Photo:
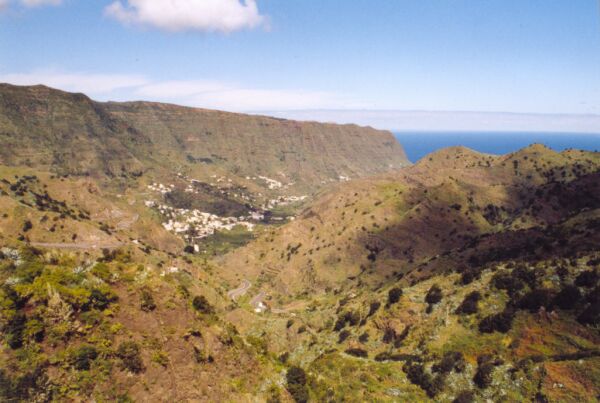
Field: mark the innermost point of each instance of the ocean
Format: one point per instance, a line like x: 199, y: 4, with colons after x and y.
x: 419, y: 144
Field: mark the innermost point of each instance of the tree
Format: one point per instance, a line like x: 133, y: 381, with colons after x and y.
x: 568, y: 297
x: 27, y: 226
x: 434, y: 295
x: 201, y: 304
x: 130, y: 354
x: 83, y: 357
x: 469, y: 304
x: 296, y: 384
x: 147, y: 301
x: 500, y: 322
x: 394, y: 295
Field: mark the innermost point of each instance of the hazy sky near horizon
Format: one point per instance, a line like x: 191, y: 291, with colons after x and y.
x: 534, y: 56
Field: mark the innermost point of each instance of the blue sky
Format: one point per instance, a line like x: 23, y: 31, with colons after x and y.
x: 534, y: 56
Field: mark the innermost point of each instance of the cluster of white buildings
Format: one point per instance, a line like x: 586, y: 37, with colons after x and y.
x: 196, y: 224
x: 201, y: 223
x: 283, y: 201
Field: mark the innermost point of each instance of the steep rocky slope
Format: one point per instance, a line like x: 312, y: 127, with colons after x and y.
x: 69, y: 133
x: 466, y: 277
x: 307, y: 153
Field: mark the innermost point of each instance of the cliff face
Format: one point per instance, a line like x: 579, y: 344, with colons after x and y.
x: 68, y: 133
x: 40, y: 126
x: 304, y: 151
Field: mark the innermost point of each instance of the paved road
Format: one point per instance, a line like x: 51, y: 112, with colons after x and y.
x: 257, y: 300
x: 240, y: 291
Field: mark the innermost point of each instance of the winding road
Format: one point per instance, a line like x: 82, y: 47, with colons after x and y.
x: 240, y: 291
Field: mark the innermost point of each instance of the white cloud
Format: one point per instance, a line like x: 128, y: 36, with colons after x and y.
x: 196, y: 93
x: 452, y: 121
x: 231, y: 97
x: 184, y: 15
x: 296, y: 104
x: 37, y: 3
x: 76, y: 82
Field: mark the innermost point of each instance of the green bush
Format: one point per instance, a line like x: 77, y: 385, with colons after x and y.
x: 590, y: 315
x: 500, y: 322
x: 394, y: 295
x: 14, y: 329
x: 130, y: 354
x: 469, y: 304
x: 102, y: 271
x: 99, y: 299
x: 357, y: 352
x: 452, y: 361
x: 483, y: 376
x: 344, y: 334
x: 568, y: 297
x: 296, y: 384
x: 434, y: 295
x: 161, y: 358
x: 466, y: 396
x: 535, y: 299
x: 82, y: 358
x: 587, y: 278
x: 147, y: 301
x: 201, y: 304
x: 506, y: 281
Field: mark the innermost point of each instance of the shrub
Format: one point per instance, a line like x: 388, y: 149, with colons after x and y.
x: 344, y: 334
x: 593, y: 296
x: 373, y: 307
x: 394, y: 295
x: 434, y: 295
x: 130, y: 355
x: 201, y: 304
x: 468, y: 276
x: 590, y: 315
x: 352, y: 318
x: 500, y: 322
x: 189, y: 249
x: 99, y: 299
x: 483, y: 376
x: 357, y: 352
x: 469, y: 304
x: 415, y: 373
x: 13, y: 330
x: 466, y: 396
x: 296, y: 384
x: 587, y: 278
x: 363, y: 338
x: 568, y: 297
x: 147, y: 301
x: 529, y: 277
x: 82, y: 358
x: 27, y: 226
x: 102, y: 271
x: 505, y: 281
x: 452, y: 360
x: 161, y: 358
x: 535, y: 299
x: 340, y: 323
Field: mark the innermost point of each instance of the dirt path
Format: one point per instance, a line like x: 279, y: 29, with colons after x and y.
x: 240, y: 291
x: 77, y: 246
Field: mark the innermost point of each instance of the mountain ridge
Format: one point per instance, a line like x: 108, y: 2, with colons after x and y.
x: 148, y: 133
